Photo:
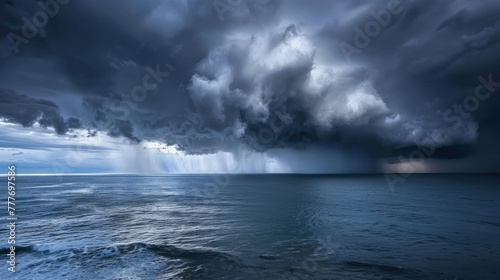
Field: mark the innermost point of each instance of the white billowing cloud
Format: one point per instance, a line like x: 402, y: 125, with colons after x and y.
x: 365, y: 100
x: 258, y: 73
x: 207, y: 94
x: 292, y: 52
x: 354, y: 108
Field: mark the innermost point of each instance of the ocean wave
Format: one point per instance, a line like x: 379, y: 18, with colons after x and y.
x: 374, y: 266
x: 113, y: 261
x: 19, y: 249
x: 169, y: 251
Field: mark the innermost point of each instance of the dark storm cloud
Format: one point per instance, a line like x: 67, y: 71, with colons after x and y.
x: 74, y: 123
x: 26, y: 111
x: 123, y: 128
x: 270, y: 74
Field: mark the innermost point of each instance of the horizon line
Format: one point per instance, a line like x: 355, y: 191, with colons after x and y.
x: 231, y: 173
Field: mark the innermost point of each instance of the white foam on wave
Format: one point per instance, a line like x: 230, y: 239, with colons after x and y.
x: 50, y: 186
x: 110, y: 251
x: 86, y: 190
x: 57, y: 247
x: 38, y: 200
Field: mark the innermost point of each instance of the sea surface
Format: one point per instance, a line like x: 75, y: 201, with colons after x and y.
x: 256, y: 227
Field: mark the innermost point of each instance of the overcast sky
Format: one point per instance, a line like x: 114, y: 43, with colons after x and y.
x: 315, y: 86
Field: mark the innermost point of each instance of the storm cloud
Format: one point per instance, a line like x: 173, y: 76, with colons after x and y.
x: 371, y: 80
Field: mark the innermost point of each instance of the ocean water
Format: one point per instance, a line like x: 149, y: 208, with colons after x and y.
x: 256, y: 227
